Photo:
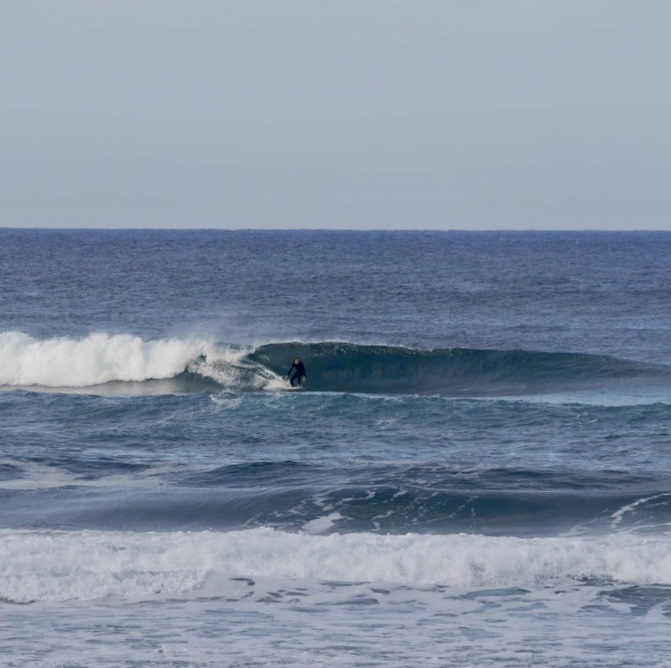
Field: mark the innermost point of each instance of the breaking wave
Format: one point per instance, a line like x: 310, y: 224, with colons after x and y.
x: 80, y: 566
x: 96, y: 359
x: 173, y: 365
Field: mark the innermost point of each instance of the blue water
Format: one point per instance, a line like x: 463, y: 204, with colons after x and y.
x: 476, y: 472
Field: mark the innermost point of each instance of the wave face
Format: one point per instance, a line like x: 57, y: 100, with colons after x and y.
x: 200, y: 365
x: 346, y: 367
x: 294, y: 497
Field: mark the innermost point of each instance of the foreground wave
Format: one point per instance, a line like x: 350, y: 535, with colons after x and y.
x: 63, y: 566
x: 183, y: 365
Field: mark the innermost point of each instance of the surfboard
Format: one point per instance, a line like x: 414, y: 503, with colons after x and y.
x: 294, y: 387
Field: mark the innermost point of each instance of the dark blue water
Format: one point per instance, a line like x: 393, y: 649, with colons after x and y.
x: 482, y: 448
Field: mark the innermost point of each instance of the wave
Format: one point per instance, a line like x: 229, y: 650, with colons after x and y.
x: 101, y: 359
x: 174, y: 365
x: 421, y: 499
x: 94, y: 360
x: 88, y: 565
x: 317, y: 499
x: 347, y: 367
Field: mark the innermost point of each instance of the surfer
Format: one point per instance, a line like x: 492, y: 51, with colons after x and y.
x: 297, y: 372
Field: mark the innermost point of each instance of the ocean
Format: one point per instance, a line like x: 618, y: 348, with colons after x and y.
x: 476, y: 472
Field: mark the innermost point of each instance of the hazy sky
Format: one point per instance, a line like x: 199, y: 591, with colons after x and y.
x: 414, y: 114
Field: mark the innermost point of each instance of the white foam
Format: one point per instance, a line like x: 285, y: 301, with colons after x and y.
x: 93, y: 360
x: 618, y: 516
x: 322, y: 524
x: 228, y: 367
x: 36, y: 476
x: 101, y: 358
x: 88, y: 565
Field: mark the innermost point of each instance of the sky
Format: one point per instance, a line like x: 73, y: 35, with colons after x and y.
x: 340, y: 114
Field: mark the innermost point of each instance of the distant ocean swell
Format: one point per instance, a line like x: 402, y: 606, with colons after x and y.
x: 200, y: 364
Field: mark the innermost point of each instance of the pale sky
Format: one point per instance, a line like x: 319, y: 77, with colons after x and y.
x: 354, y: 114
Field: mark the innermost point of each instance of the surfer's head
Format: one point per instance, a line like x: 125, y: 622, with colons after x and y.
x: 296, y: 360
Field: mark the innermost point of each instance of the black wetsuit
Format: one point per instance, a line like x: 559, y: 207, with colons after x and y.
x: 299, y: 373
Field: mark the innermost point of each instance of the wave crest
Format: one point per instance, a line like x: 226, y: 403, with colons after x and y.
x: 199, y: 364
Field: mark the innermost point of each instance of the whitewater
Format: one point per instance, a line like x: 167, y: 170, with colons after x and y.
x: 476, y: 471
